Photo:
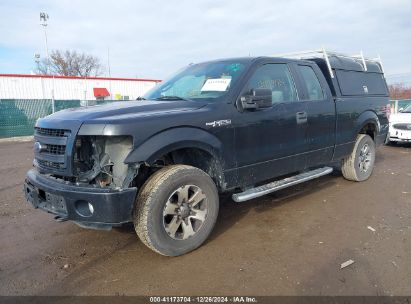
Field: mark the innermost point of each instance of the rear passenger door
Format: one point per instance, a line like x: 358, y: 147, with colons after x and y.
x: 320, y: 109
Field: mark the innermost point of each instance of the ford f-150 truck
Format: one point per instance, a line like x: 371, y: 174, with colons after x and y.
x: 247, y: 126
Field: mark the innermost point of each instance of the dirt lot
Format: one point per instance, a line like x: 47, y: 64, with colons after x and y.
x: 289, y: 243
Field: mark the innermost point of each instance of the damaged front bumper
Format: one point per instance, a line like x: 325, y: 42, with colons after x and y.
x: 90, y: 207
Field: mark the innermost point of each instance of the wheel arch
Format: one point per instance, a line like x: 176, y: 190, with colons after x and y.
x: 368, y: 123
x: 189, y: 146
x: 174, y: 139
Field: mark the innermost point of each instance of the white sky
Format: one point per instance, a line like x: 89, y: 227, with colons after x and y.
x: 153, y: 38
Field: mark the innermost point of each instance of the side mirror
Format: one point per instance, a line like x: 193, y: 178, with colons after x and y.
x: 257, y: 98
x: 400, y: 110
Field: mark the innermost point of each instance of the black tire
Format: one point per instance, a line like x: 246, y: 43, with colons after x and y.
x: 164, y: 189
x: 359, y: 165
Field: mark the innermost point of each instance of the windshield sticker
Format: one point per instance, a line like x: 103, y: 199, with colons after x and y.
x: 216, y: 85
x: 234, y: 67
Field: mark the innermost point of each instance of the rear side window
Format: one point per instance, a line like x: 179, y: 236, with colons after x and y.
x: 361, y: 83
x: 312, y: 84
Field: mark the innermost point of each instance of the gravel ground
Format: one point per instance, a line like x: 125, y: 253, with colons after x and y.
x: 288, y: 243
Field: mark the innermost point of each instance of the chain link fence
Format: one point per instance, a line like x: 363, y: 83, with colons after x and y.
x: 18, y: 116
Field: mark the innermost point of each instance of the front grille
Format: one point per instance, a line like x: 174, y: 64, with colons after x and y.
x: 50, y: 148
x: 49, y: 164
x: 52, y: 132
x: 55, y: 149
x: 402, y: 126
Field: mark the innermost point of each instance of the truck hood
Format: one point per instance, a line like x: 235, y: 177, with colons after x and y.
x: 123, y: 110
x: 400, y: 118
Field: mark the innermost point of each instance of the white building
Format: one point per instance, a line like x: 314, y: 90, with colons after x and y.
x: 16, y: 86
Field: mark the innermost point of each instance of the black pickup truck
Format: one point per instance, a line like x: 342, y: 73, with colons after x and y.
x: 248, y: 126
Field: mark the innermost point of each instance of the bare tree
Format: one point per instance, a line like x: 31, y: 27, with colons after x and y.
x: 70, y: 63
x: 400, y: 91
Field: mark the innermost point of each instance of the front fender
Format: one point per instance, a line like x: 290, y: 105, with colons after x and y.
x: 173, y: 139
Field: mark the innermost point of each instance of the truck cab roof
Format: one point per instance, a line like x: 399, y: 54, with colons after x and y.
x: 345, y: 75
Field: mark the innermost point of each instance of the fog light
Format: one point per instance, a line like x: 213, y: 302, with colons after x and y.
x: 84, y: 208
x: 91, y: 208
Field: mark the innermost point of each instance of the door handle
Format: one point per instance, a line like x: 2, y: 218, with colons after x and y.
x: 301, y: 117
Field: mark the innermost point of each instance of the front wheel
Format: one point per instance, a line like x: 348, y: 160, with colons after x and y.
x: 176, y: 210
x: 359, y: 165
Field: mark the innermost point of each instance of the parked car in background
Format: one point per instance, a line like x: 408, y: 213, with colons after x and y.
x: 400, y: 126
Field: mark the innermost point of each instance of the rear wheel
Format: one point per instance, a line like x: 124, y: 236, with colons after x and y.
x: 360, y: 164
x: 176, y: 210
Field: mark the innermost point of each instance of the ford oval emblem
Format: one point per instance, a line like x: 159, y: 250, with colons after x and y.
x: 38, y: 147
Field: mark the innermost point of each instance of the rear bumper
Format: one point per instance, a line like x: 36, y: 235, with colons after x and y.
x: 91, y: 207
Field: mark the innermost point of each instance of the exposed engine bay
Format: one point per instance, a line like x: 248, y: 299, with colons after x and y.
x: 99, y: 160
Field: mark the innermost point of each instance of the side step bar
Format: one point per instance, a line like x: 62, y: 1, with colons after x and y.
x: 280, y: 184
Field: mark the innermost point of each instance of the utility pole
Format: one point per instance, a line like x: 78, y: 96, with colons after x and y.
x: 37, y: 61
x: 43, y: 19
x: 109, y: 70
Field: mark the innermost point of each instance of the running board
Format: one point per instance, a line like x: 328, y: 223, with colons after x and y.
x: 280, y: 184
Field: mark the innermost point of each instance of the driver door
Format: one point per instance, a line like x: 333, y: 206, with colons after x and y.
x: 270, y: 142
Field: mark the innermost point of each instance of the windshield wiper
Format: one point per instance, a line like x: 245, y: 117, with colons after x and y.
x: 140, y: 98
x: 170, y: 98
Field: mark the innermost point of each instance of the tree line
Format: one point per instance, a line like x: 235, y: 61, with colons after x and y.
x: 400, y: 91
x: 70, y: 63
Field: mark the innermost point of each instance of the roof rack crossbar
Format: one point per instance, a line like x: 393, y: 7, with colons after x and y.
x: 326, y: 54
x: 327, y: 61
x: 361, y: 57
x: 379, y: 60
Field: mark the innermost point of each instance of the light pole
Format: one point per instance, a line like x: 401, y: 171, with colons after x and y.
x: 37, y: 60
x: 43, y: 22
x: 109, y: 70
x: 43, y: 19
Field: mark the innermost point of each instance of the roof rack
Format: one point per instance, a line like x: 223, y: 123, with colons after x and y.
x: 326, y: 54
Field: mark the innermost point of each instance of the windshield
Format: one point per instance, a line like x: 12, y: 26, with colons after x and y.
x: 210, y: 80
x: 407, y: 109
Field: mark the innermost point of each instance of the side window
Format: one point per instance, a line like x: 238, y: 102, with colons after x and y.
x: 361, y: 83
x: 315, y: 92
x: 278, y: 79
